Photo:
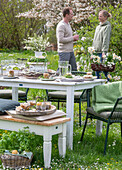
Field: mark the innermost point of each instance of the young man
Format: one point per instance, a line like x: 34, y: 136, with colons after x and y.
x: 65, y: 38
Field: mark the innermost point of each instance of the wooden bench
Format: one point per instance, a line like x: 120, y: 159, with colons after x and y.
x: 45, y: 128
x: 7, y: 94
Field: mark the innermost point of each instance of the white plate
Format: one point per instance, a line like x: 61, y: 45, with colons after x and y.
x: 6, y: 77
x: 72, y: 80
x: 90, y: 79
x: 52, y: 79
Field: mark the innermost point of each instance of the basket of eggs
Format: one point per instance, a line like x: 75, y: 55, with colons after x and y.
x: 15, y: 160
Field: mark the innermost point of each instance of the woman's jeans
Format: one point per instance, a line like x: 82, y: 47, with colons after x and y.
x: 98, y: 72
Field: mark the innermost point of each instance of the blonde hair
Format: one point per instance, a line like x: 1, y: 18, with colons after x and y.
x: 106, y: 14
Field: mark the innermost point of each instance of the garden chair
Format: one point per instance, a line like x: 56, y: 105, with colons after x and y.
x: 7, y: 94
x: 107, y: 106
x: 60, y: 96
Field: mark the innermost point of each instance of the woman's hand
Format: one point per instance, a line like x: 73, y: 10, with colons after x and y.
x: 103, y: 54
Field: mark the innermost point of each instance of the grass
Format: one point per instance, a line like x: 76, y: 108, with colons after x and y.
x: 85, y: 155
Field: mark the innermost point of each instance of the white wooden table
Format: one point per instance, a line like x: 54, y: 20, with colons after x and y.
x: 69, y: 87
x: 46, y: 128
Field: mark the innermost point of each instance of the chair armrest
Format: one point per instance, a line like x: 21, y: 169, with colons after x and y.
x: 115, y: 105
x: 47, y: 94
x: 27, y: 91
x: 83, y: 95
x: 78, y: 72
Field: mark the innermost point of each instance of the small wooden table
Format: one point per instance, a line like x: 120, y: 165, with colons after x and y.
x: 45, y: 128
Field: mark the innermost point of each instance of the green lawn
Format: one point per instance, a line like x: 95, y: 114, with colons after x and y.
x: 85, y: 155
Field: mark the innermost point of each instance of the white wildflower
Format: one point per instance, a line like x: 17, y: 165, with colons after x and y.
x: 82, y: 48
x: 83, y: 38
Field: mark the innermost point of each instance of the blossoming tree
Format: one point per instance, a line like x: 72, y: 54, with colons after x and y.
x: 51, y: 10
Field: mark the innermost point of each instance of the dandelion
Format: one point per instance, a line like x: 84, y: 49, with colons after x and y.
x: 112, y: 158
x: 55, y: 146
x: 6, y: 131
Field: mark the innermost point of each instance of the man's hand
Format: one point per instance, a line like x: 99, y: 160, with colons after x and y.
x: 76, y: 37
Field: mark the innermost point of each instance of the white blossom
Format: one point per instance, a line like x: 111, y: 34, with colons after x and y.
x: 82, y: 48
x: 83, y: 38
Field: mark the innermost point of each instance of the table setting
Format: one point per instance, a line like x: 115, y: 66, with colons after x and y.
x: 16, y: 69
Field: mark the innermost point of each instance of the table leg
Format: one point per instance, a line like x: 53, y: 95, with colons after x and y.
x: 99, y: 127
x: 47, y: 147
x: 88, y: 97
x: 98, y: 122
x: 15, y: 93
x: 62, y: 141
x: 70, y: 113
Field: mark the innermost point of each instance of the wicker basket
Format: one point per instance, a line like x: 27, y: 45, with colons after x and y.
x: 101, y: 67
x: 15, y: 161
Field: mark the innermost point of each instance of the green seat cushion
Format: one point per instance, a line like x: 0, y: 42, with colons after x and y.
x: 104, y: 96
x: 7, y: 94
x: 6, y: 104
x: 62, y: 95
x: 105, y: 115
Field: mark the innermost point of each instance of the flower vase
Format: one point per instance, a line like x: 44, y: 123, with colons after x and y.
x: 39, y: 53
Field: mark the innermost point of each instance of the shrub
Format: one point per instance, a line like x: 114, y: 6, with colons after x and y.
x: 23, y: 140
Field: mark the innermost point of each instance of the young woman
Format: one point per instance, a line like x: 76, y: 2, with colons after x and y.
x: 102, y: 37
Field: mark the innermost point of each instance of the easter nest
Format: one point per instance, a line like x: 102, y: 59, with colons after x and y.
x: 102, y: 67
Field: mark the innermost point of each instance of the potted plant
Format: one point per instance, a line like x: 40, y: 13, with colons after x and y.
x: 108, y: 61
x: 36, y: 43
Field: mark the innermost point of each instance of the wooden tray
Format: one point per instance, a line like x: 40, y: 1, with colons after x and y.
x: 56, y: 114
x: 37, y: 113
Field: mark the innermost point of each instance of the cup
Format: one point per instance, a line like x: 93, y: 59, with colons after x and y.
x: 64, y: 67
